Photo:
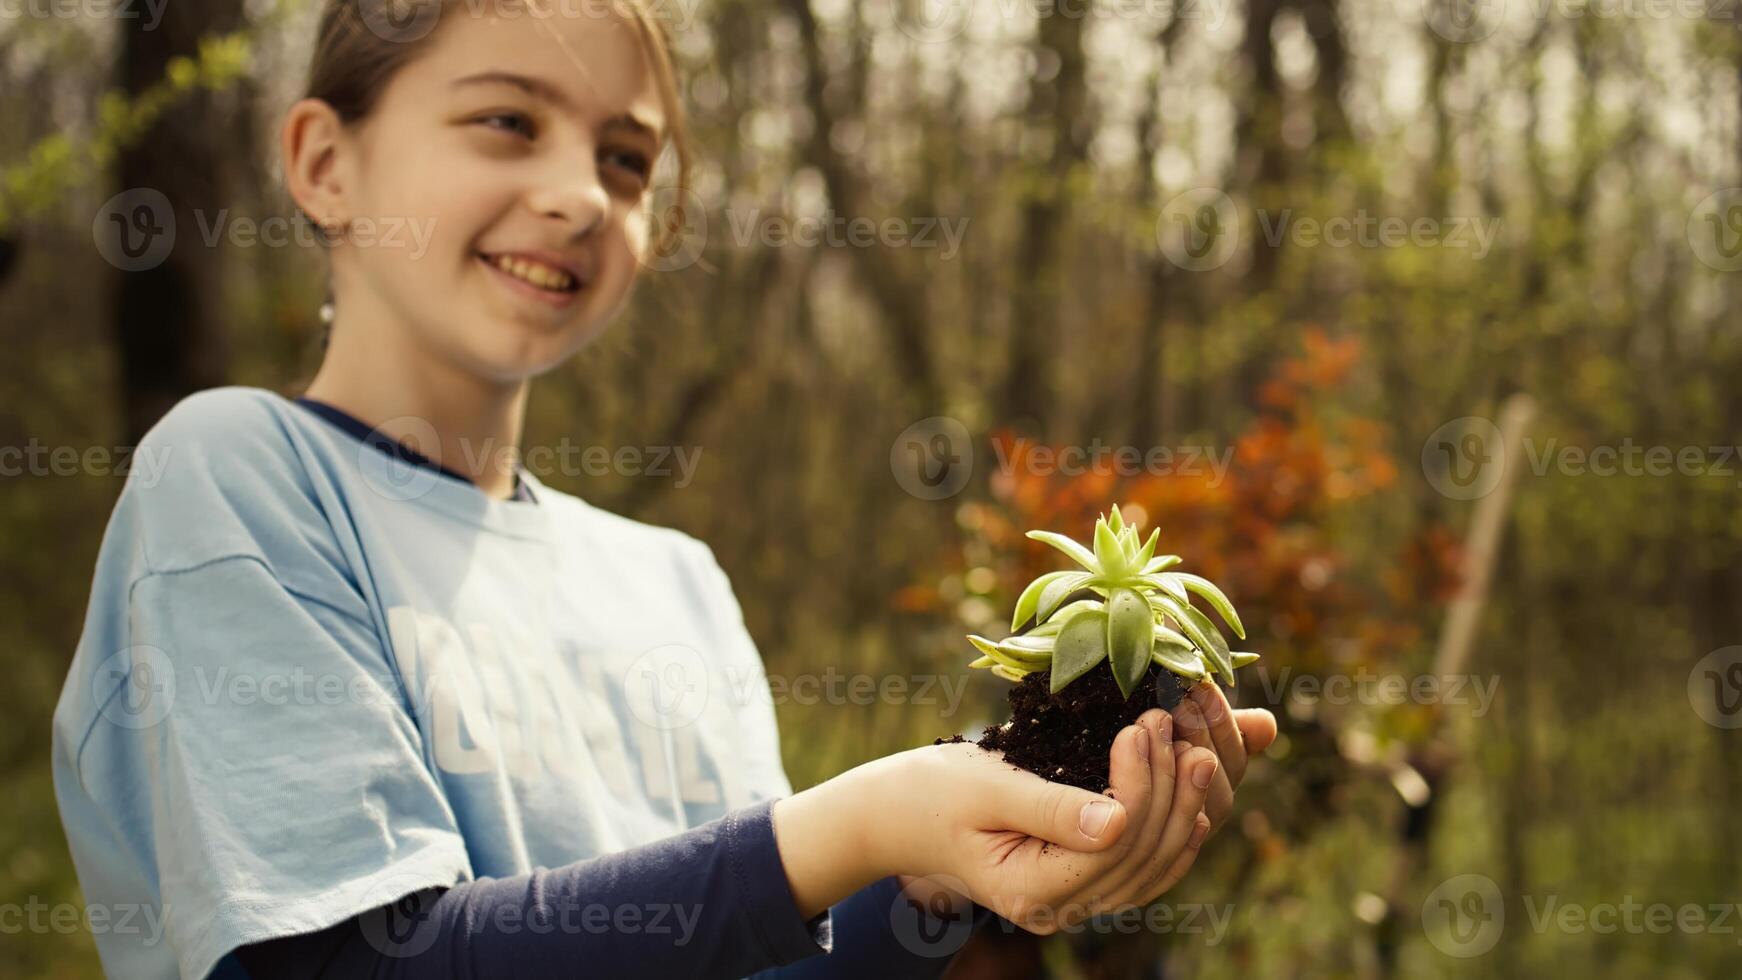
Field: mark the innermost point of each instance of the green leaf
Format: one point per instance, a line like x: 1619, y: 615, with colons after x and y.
x: 1183, y: 661
x: 1077, y: 552
x: 1081, y: 645
x: 1010, y: 675
x: 1130, y: 637
x: 1116, y: 522
x: 1204, y: 587
x: 1056, y: 591
x: 1161, y: 563
x: 1030, y: 598
x: 1212, y: 643
x: 1109, y: 553
x: 1166, y: 584
x: 1070, y: 611
x: 1241, y: 659
x: 1026, y: 646
x: 1130, y: 544
x: 983, y: 662
x: 1147, y: 551
x: 1168, y: 638
x: 1009, y: 657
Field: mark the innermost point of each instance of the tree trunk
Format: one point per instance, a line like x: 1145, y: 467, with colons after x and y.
x: 167, y: 312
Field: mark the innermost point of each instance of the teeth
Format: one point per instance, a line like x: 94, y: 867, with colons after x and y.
x: 537, y: 273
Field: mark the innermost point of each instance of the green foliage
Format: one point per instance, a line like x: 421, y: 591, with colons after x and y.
x: 57, y: 164
x: 1144, y: 615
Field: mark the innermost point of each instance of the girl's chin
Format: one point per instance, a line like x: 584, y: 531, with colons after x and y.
x: 515, y: 349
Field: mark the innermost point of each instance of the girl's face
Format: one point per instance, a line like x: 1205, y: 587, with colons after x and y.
x: 523, y: 146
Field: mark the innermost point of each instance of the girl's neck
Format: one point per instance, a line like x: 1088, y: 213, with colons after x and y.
x: 415, y: 397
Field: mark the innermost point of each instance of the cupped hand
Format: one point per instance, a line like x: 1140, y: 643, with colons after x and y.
x: 1045, y: 855
x: 1205, y: 719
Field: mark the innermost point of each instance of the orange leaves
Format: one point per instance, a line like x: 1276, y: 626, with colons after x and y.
x: 1281, y: 517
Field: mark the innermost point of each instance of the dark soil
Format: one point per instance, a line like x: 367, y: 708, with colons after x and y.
x: 1066, y: 737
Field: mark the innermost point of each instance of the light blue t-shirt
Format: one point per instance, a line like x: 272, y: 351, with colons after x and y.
x: 314, y: 678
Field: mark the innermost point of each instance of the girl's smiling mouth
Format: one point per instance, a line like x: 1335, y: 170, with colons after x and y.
x: 539, y: 278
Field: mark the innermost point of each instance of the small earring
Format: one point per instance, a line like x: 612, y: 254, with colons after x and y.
x: 327, y: 313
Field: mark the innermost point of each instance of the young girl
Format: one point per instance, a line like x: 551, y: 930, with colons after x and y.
x: 359, y: 696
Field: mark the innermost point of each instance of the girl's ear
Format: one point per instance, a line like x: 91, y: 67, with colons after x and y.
x: 311, y: 143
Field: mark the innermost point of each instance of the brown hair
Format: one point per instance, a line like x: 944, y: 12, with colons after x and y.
x: 361, y: 44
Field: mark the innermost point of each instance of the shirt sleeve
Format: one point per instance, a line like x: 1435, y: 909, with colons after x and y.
x: 753, y: 701
x: 712, y: 902
x: 878, y: 933
x: 254, y: 747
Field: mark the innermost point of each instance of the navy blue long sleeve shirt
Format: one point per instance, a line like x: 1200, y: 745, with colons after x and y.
x: 711, y: 902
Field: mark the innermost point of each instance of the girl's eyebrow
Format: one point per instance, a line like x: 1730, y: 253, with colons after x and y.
x: 540, y: 89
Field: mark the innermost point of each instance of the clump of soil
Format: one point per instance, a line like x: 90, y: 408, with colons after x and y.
x: 1066, y: 737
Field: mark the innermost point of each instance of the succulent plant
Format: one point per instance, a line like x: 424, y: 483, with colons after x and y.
x: 1123, y: 606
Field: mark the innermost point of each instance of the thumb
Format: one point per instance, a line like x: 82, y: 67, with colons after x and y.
x: 1257, y: 728
x: 1065, y: 815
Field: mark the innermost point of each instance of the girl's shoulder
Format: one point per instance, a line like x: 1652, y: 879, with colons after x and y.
x: 220, y: 433
x: 222, y: 474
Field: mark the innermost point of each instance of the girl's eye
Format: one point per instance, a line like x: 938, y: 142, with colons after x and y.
x: 634, y: 163
x: 510, y: 122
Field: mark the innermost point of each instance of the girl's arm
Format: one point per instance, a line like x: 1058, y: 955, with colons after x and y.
x: 751, y: 885
x: 711, y: 902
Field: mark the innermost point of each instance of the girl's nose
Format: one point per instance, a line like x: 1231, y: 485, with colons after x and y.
x: 574, y: 196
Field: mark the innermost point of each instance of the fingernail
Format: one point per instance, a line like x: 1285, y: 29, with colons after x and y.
x: 1164, y: 727
x: 1199, y: 829
x: 1093, y: 820
x: 1142, y: 737
x: 1202, y: 775
x: 1210, y: 705
x: 1190, y: 717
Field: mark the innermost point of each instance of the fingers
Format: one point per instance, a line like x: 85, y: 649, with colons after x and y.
x: 1190, y: 729
x: 1181, y: 864
x: 1131, y: 783
x: 1224, y: 737
x: 1197, y: 769
x: 1183, y: 831
x: 1258, y: 728
x: 1145, y: 860
x: 1072, y: 818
